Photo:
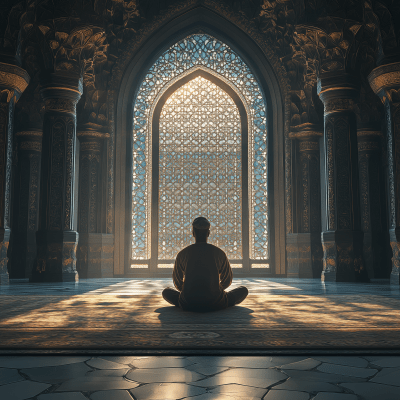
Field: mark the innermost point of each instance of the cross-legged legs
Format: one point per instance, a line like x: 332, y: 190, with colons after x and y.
x: 171, y: 296
x: 237, y: 295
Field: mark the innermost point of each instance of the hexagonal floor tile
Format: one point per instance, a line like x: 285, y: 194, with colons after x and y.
x: 22, y: 390
x: 285, y: 395
x: 163, y: 375
x: 9, y: 376
x: 166, y: 391
x: 373, y: 391
x: 111, y: 395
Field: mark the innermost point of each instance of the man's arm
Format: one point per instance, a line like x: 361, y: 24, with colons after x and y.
x: 225, y: 274
x: 178, y: 276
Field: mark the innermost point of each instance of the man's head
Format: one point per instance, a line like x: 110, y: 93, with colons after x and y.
x: 201, y: 229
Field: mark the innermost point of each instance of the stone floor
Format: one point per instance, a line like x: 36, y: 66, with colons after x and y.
x: 200, y: 378
x: 126, y: 377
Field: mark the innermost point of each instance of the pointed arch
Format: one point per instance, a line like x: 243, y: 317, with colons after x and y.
x: 130, y: 79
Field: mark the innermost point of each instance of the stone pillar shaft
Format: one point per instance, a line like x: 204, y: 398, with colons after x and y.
x: 95, y: 249
x: 342, y: 239
x: 26, y: 203
x: 385, y: 82
x: 373, y: 202
x: 57, y: 238
x: 13, y: 81
x: 304, y: 246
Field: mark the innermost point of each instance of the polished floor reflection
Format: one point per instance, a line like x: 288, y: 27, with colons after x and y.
x: 200, y: 378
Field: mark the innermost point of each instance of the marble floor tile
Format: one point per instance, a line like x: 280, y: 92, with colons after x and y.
x: 87, y: 384
x: 63, y: 396
x: 107, y: 372
x: 321, y: 376
x: 100, y: 363
x: 166, y: 391
x: 161, y: 362
x: 22, y: 390
x: 163, y: 375
x: 303, y: 385
x: 347, y: 371
x: 286, y: 395
x: 9, y: 376
x: 239, y: 390
x: 38, y: 361
x: 388, y: 377
x: 269, y: 374
x: 111, y: 395
x: 387, y: 362
x: 335, y: 396
x: 340, y: 360
x: 373, y: 391
x: 205, y: 370
x: 218, y: 380
x: 303, y: 365
x: 57, y: 374
x: 213, y: 396
x: 244, y: 362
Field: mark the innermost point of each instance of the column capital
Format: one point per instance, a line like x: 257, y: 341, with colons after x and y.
x: 306, y: 131
x: 14, y: 80
x: 333, y: 85
x: 91, y: 132
x: 385, y: 80
x: 61, y: 92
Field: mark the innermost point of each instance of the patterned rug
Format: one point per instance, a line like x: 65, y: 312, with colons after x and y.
x: 140, y: 322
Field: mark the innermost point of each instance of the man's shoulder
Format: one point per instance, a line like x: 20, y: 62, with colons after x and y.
x: 185, y: 250
x: 217, y: 250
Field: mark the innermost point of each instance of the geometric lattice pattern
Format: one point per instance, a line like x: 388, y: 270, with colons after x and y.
x: 200, y: 168
x: 207, y: 52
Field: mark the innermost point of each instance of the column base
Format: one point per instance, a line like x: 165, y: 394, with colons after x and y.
x: 56, y: 257
x: 343, y: 261
x: 394, y: 235
x: 304, y: 255
x: 4, y: 243
x: 95, y: 255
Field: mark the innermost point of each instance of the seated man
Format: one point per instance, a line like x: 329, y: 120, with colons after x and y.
x: 201, y: 273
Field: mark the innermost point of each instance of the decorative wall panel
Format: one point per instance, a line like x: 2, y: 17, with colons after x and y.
x: 206, y: 52
x: 200, y: 168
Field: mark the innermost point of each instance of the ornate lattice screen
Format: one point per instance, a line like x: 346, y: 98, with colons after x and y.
x: 199, y: 168
x: 206, y: 52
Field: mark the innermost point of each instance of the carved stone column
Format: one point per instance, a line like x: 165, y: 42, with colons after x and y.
x: 373, y: 201
x: 95, y: 249
x: 342, y: 238
x: 26, y: 203
x: 56, y: 238
x: 13, y: 81
x: 304, y: 246
x: 385, y: 82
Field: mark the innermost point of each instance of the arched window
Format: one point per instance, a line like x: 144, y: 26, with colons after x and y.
x: 199, y: 148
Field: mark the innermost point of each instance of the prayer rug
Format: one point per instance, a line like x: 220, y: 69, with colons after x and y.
x: 262, y: 322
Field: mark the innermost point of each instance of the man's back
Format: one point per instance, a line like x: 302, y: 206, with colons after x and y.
x: 201, y: 273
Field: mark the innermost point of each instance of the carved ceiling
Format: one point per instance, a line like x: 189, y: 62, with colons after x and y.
x: 87, y: 37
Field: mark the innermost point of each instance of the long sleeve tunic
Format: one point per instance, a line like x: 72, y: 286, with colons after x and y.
x: 201, y: 273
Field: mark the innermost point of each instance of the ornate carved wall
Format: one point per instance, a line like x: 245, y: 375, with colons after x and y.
x: 289, y: 44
